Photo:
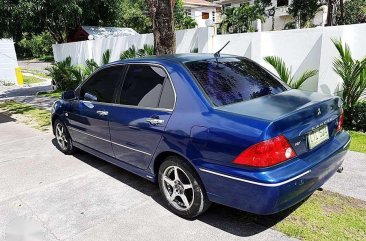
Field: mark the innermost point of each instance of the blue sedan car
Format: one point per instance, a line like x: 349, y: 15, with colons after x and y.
x: 207, y: 129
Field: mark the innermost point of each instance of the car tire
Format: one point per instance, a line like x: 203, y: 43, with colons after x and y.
x: 63, y: 138
x: 181, y: 188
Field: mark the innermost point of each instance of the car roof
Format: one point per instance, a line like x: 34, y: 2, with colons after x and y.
x: 178, y: 58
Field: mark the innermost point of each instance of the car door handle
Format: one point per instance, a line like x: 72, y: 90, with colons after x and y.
x: 154, y: 121
x: 102, y: 112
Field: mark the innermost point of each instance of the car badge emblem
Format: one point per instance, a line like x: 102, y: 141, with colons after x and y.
x: 319, y: 112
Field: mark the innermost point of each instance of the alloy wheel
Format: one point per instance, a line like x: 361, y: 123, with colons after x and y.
x: 61, y: 136
x: 178, y: 188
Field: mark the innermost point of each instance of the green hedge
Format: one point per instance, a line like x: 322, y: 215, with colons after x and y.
x: 355, y: 118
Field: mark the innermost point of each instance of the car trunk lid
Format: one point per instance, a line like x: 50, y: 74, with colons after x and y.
x: 293, y: 113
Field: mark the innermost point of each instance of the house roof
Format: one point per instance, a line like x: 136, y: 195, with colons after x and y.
x: 103, y: 32
x: 200, y: 3
x: 221, y: 2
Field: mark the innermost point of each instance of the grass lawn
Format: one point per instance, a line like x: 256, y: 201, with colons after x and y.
x: 35, y: 72
x: 53, y: 94
x: 358, y: 142
x: 326, y: 216
x: 31, y: 79
x: 33, y: 116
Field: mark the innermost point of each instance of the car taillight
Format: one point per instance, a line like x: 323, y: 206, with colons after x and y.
x: 266, y: 153
x: 340, y: 121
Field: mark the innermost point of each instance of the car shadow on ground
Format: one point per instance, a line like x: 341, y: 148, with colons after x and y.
x: 25, y: 91
x: 4, y: 118
x: 227, y: 219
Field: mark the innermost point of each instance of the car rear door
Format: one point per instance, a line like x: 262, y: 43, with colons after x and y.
x: 143, y: 108
x: 89, y: 117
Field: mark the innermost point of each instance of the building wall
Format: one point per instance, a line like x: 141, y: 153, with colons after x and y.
x: 8, y: 61
x: 196, y: 14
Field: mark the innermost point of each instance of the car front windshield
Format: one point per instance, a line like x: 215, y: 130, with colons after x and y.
x: 231, y: 80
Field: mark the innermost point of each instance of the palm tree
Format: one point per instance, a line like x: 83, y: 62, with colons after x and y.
x: 352, y: 72
x: 106, y: 57
x: 286, y: 74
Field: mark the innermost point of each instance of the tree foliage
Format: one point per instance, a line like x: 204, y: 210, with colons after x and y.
x: 241, y: 19
x: 354, y: 12
x: 304, y: 11
x: 134, y: 14
x: 181, y: 21
x: 59, y: 18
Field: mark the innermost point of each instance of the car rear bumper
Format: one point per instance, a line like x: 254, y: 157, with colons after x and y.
x: 271, y: 190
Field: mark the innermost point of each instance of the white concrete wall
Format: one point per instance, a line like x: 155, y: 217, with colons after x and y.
x: 8, y: 61
x: 187, y: 40
x: 301, y: 49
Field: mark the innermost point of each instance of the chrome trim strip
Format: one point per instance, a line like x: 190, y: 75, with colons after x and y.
x: 347, y: 142
x: 127, y: 147
x: 256, y: 183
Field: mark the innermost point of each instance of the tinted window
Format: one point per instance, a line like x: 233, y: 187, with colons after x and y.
x: 142, y: 86
x: 101, y: 86
x: 167, y: 98
x: 232, y: 80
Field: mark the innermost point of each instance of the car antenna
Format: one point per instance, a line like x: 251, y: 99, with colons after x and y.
x: 217, y: 54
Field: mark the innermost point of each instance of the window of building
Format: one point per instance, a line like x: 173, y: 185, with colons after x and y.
x: 205, y: 15
x: 188, y: 12
x: 282, y: 3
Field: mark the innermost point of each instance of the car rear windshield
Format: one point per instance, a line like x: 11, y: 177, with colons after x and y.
x: 231, y: 80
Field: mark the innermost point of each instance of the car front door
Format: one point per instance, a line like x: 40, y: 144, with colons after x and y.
x: 89, y: 117
x: 144, y: 106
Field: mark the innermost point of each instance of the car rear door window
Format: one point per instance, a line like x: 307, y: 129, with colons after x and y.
x: 143, y: 86
x: 230, y: 80
x: 167, y: 98
x: 102, y: 85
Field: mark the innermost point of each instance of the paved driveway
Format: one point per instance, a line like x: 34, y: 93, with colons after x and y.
x: 49, y: 196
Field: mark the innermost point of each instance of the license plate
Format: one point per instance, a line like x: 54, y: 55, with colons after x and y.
x: 318, y: 136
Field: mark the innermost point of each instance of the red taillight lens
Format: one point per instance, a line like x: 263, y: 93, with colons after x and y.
x: 267, y: 153
x: 340, y: 121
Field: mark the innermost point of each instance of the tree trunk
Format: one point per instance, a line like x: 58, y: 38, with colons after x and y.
x: 330, y: 13
x: 161, y: 12
x: 341, y: 6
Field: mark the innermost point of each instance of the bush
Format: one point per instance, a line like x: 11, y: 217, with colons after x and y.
x: 355, y: 118
x: 36, y: 46
x: 64, y: 75
x: 132, y: 52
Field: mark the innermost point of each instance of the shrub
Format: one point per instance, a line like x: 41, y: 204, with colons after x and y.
x: 63, y: 75
x: 353, y: 74
x: 357, y: 117
x: 132, y: 52
x: 36, y: 46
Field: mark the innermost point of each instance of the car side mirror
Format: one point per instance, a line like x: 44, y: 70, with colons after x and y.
x: 68, y: 95
x: 90, y: 97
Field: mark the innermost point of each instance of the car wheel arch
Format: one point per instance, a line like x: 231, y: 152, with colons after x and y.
x: 161, y: 157
x: 53, y: 119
